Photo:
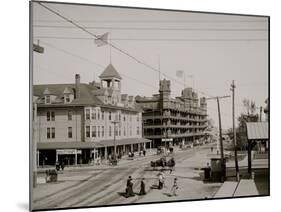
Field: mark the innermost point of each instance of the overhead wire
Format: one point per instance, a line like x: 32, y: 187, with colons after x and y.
x: 92, y: 62
x: 109, y: 43
x: 154, y: 28
x: 158, y: 39
x: 157, y: 21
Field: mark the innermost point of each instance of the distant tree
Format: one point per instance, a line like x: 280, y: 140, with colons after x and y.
x: 250, y: 116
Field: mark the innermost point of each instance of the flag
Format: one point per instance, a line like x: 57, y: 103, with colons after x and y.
x: 179, y: 73
x: 101, y: 40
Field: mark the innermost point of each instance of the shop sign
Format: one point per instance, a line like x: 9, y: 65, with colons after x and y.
x: 68, y: 151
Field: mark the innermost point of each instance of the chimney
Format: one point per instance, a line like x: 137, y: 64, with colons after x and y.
x: 77, y: 86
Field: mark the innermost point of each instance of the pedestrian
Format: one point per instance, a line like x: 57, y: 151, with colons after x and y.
x: 129, y: 188
x: 172, y: 165
x: 142, y: 187
x: 161, y: 180
x: 174, y: 188
x: 144, y: 152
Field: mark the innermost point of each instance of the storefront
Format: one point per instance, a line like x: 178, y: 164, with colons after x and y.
x: 75, y: 153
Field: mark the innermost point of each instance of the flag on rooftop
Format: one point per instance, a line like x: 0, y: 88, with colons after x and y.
x: 101, y: 40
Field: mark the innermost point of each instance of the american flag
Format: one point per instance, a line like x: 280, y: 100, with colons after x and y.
x: 101, y: 40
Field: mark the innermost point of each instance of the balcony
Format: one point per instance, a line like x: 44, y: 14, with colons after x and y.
x: 174, y: 118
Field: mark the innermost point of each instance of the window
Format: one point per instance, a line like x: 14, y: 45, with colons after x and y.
x: 94, y: 115
x: 102, y: 115
x: 53, y: 132
x: 130, y: 130
x: 119, y: 117
x: 102, y: 132
x: 94, y: 131
x: 67, y: 98
x: 69, y: 132
x: 98, y: 115
x: 48, y: 133
x: 87, y: 114
x: 124, y: 118
x: 53, y: 116
x: 69, y: 115
x: 48, y: 115
x: 88, y: 131
x: 48, y: 99
x: 124, y: 132
x: 138, y: 130
x: 138, y: 118
x: 109, y: 117
x: 109, y: 131
x: 98, y: 131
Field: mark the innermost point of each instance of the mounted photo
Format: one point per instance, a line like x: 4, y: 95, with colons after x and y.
x: 142, y: 105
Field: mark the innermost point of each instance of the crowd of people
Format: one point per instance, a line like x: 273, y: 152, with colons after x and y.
x: 161, y: 183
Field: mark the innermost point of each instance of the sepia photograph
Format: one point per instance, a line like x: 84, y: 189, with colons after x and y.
x: 141, y: 105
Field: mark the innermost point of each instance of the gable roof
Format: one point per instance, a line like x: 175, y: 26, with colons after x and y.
x: 110, y: 72
x: 86, y: 97
x: 257, y: 130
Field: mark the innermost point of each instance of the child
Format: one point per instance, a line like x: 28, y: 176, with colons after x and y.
x: 174, y: 188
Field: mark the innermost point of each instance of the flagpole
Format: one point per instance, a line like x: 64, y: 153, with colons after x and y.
x: 109, y: 35
x: 159, y: 68
x: 183, y: 80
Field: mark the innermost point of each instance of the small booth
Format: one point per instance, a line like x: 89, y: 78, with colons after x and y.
x: 257, y: 135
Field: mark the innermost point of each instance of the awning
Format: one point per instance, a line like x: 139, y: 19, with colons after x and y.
x: 67, y: 145
x: 257, y: 130
x: 89, y: 145
x: 124, y: 141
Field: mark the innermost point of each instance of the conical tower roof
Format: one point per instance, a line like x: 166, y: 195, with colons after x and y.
x: 110, y: 72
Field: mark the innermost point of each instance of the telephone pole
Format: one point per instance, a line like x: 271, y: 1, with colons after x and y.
x: 260, y: 113
x: 220, y: 133
x: 234, y: 131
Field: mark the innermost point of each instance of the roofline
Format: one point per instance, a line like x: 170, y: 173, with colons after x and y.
x: 85, y: 105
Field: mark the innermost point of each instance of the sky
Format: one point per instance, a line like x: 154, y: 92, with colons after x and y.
x: 214, y: 49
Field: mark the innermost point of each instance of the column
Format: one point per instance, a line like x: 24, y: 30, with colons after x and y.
x: 105, y: 152
x: 37, y: 158
x: 138, y: 147
x: 124, y: 149
x: 57, y: 157
x: 75, y: 160
x: 249, y: 157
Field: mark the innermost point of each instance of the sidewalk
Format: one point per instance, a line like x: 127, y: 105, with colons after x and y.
x: 245, y: 187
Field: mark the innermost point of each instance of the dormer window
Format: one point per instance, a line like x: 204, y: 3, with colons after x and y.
x: 66, y: 99
x: 48, y: 100
x: 68, y: 95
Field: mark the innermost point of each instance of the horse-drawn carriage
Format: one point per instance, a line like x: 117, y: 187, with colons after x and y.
x: 163, y: 162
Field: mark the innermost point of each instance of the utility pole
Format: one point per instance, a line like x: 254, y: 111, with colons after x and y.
x: 34, y: 145
x: 39, y: 49
x: 234, y: 131
x: 220, y: 138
